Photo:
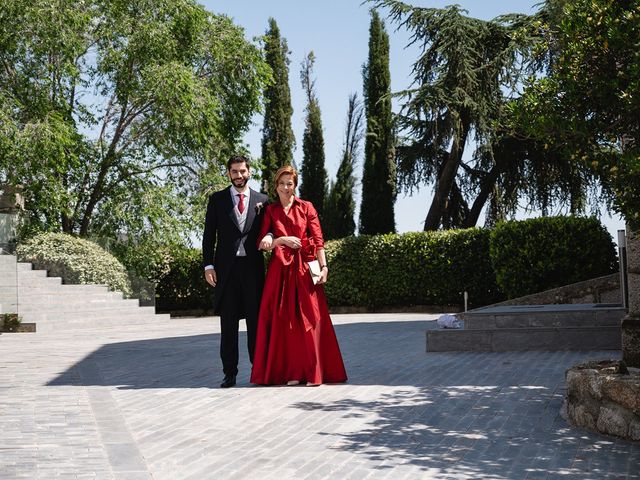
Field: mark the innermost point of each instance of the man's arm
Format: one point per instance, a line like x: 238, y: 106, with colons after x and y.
x: 209, y: 243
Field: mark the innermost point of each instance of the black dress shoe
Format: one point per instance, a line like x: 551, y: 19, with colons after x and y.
x: 228, y: 381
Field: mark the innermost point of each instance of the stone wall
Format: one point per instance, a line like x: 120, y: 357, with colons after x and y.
x: 601, y: 397
x: 597, y: 290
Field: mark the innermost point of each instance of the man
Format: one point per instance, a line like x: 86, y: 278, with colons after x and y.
x: 233, y: 264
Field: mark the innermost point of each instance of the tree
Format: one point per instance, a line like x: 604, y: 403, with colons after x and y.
x: 314, y: 175
x: 588, y: 104
x: 340, y: 206
x: 116, y: 114
x: 277, y: 135
x: 456, y: 95
x: 379, y: 174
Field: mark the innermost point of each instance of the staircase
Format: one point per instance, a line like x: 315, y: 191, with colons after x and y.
x: 53, y: 306
x: 594, y: 326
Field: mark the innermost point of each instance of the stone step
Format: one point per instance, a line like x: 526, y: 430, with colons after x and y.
x: 28, y: 273
x: 65, y: 298
x: 66, y: 324
x: 523, y: 339
x: 7, y: 260
x: 88, y: 316
x: 26, y: 267
x: 55, y: 288
x: 51, y: 305
x: 538, y: 316
x: 88, y: 307
x: 29, y: 281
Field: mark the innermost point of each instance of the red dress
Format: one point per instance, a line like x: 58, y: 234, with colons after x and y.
x: 296, y: 340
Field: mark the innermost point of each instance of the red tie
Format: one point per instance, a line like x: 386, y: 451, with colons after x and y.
x: 240, y: 203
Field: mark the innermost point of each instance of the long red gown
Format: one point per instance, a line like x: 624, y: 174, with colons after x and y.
x: 296, y: 340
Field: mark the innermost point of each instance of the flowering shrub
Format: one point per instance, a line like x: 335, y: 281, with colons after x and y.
x: 76, y: 260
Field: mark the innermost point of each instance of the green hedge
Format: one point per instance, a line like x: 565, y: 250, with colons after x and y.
x: 430, y: 268
x: 418, y: 268
x: 538, y: 254
x: 76, y: 260
x: 182, y: 285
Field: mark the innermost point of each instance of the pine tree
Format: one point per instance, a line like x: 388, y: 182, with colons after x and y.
x: 378, y: 177
x: 277, y: 135
x: 340, y: 206
x: 313, y: 186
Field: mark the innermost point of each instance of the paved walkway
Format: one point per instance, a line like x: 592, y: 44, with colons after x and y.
x: 143, y: 402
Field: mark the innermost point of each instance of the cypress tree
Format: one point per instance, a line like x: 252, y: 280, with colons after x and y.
x: 277, y: 134
x: 340, y: 206
x: 378, y: 177
x: 313, y: 186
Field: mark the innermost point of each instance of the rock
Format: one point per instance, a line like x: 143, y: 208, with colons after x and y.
x: 584, y: 383
x: 631, y: 336
x: 634, y: 430
x: 623, y: 390
x: 583, y: 417
x: 599, y: 397
x: 614, y: 420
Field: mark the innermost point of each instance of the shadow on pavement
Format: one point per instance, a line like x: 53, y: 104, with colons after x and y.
x: 453, y: 415
x: 193, y: 361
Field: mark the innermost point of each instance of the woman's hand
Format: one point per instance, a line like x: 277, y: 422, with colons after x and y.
x: 266, y: 243
x: 324, y: 275
x: 291, y: 242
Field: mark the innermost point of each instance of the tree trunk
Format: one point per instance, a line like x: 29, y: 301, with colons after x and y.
x: 486, y: 187
x: 456, y: 208
x: 446, y: 178
x: 108, y: 160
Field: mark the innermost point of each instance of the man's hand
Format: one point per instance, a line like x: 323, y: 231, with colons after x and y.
x: 266, y: 243
x: 211, y: 277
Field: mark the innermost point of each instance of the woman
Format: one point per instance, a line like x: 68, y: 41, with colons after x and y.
x: 296, y: 342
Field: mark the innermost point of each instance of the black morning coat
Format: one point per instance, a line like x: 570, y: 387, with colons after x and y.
x: 222, y: 237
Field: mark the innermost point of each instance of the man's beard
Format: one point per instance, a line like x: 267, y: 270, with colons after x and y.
x: 240, y: 182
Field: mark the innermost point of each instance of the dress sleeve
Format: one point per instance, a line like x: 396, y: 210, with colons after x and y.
x: 266, y: 224
x: 314, y: 230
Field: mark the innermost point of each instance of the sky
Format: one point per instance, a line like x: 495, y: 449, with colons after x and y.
x: 337, y: 31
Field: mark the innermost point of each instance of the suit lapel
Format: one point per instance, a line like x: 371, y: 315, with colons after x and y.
x: 251, y: 213
x: 228, y: 206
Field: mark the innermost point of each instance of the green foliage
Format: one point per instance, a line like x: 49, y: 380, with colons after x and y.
x: 182, y: 285
x: 428, y: 268
x: 466, y: 74
x: 538, y: 254
x: 431, y: 268
x: 277, y: 135
x: 10, y: 322
x: 340, y: 206
x: 588, y: 101
x: 75, y: 260
x: 379, y: 174
x: 113, y: 115
x: 313, y: 186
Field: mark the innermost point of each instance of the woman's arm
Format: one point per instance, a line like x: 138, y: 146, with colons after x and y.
x: 265, y: 243
x: 269, y: 242
x: 324, y: 269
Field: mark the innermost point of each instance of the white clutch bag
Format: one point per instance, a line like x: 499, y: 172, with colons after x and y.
x: 314, y: 270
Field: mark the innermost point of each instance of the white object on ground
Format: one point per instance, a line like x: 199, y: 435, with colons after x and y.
x: 449, y: 321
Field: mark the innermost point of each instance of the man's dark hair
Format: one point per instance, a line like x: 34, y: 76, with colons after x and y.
x: 238, y: 159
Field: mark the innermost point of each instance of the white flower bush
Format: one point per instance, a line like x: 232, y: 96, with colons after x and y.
x: 76, y: 260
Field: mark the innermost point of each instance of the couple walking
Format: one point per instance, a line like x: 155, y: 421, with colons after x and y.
x: 290, y: 337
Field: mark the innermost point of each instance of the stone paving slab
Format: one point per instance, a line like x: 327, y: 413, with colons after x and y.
x: 142, y: 402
